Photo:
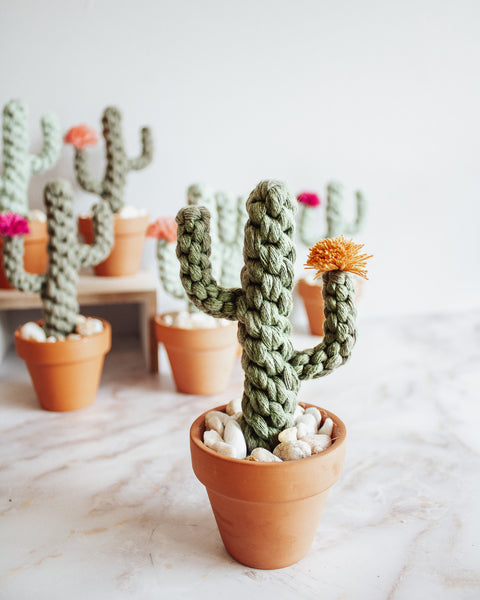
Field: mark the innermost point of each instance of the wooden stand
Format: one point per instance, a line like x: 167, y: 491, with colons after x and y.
x: 94, y: 290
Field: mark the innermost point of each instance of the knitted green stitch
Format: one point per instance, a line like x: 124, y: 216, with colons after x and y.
x: 227, y: 218
x: 118, y: 165
x: 58, y: 287
x: 273, y: 369
x: 336, y: 222
x: 18, y: 164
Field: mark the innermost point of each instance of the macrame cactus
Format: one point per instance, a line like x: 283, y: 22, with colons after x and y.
x: 58, y: 287
x: 227, y: 219
x: 273, y: 368
x: 18, y: 164
x: 336, y: 222
x: 118, y: 165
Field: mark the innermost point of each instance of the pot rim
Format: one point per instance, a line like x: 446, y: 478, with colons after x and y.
x: 158, y: 319
x: 341, y: 433
x: 81, y: 339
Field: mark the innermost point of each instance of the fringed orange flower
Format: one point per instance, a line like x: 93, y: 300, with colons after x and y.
x: 81, y: 136
x: 337, y: 254
x: 164, y: 228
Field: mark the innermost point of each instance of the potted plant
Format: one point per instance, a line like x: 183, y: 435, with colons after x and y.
x: 267, y: 512
x: 130, y: 224
x: 65, y: 354
x: 311, y: 290
x: 196, y: 344
x: 18, y: 167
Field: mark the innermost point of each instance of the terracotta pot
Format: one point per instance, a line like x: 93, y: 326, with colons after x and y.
x: 129, y: 239
x: 202, y: 360
x: 267, y: 513
x: 65, y: 374
x: 311, y: 294
x: 35, y: 257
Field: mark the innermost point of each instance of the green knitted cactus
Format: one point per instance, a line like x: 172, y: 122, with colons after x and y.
x: 227, y: 219
x: 273, y: 368
x: 336, y: 222
x: 18, y: 164
x: 57, y: 287
x: 118, y: 165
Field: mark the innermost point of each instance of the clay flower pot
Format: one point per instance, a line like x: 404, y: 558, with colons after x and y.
x: 311, y: 294
x: 129, y: 238
x: 267, y: 513
x: 65, y: 374
x: 35, y: 258
x: 202, y: 360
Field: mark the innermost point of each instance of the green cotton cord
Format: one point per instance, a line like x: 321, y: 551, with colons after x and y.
x: 336, y: 222
x: 58, y: 287
x: 231, y: 222
x: 18, y: 164
x: 118, y: 165
x: 262, y: 306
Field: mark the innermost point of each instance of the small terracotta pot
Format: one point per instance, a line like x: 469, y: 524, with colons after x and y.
x: 129, y: 239
x: 267, y: 513
x: 65, y: 374
x: 311, y: 294
x: 35, y: 257
x: 202, y: 360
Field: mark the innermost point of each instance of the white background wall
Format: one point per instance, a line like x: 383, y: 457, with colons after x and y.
x: 384, y: 96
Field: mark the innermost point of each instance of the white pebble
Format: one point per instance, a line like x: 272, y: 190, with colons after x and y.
x: 73, y: 336
x: 89, y: 327
x: 299, y: 410
x: 128, y: 211
x: 327, y: 427
x: 224, y: 449
x: 317, y: 442
x: 51, y: 339
x: 211, y: 437
x: 216, y: 420
x: 306, y: 423
x: 234, y: 406
x: 37, y: 215
x: 32, y: 331
x: 80, y: 319
x: 264, y: 455
x: 288, y: 435
x: 167, y: 320
x: 233, y: 435
x: 292, y: 450
x: 312, y: 410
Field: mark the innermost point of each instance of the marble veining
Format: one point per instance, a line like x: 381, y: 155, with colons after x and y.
x: 103, y: 503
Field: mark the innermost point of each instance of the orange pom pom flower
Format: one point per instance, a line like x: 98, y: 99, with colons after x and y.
x: 164, y: 228
x: 81, y: 136
x: 337, y: 254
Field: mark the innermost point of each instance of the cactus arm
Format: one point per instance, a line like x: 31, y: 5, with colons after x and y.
x: 13, y: 248
x: 52, y: 145
x: 231, y: 221
x: 82, y: 173
x: 103, y: 236
x: 305, y: 225
x: 340, y: 329
x: 361, y: 206
x: 168, y: 269
x: 146, y: 157
x: 335, y: 221
x: 193, y: 252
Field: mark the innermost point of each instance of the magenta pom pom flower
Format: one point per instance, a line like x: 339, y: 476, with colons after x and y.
x: 12, y: 224
x: 308, y: 198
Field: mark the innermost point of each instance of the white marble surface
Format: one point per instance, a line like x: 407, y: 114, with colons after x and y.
x: 103, y: 503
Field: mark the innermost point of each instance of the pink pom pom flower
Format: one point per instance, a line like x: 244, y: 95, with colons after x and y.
x: 308, y: 198
x: 164, y: 228
x: 81, y: 136
x: 12, y: 224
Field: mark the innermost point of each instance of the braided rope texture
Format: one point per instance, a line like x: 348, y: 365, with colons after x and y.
x: 58, y: 287
x: 18, y: 164
x: 262, y: 306
x: 227, y: 219
x: 336, y: 222
x: 118, y: 165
